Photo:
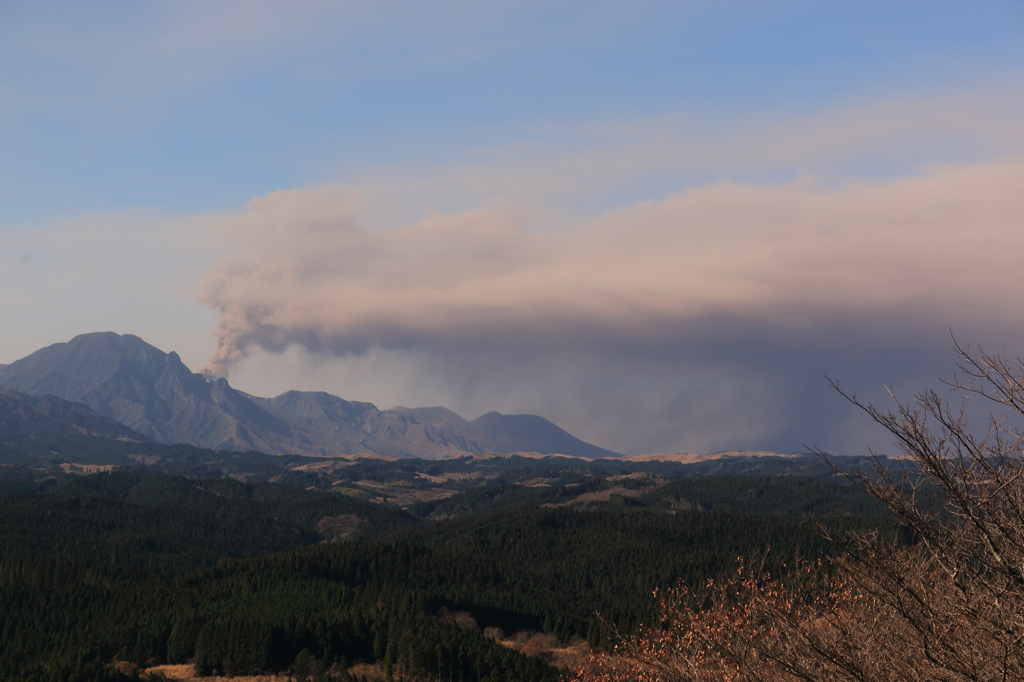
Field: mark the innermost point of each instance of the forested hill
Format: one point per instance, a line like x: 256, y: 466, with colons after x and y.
x: 236, y: 578
x: 166, y: 524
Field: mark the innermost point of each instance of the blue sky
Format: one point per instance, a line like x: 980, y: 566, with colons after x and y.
x: 199, y: 107
x: 565, y: 150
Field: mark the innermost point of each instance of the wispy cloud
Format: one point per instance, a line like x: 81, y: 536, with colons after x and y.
x: 596, y: 165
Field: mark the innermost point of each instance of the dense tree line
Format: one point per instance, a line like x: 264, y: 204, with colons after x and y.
x: 775, y: 496
x: 163, y: 523
x: 759, y: 496
x: 564, y: 565
x: 112, y: 565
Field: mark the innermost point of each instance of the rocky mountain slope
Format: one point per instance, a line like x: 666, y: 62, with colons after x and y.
x: 508, y: 432
x: 154, y: 393
x: 440, y: 417
x: 24, y: 414
x: 358, y: 427
x: 128, y: 380
x: 43, y: 431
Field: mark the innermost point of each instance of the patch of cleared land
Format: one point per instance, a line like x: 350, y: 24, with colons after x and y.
x: 402, y: 496
x: 544, y: 645
x: 187, y: 672
x: 325, y: 467
x: 86, y: 469
x: 603, y: 495
x: 687, y: 458
x: 445, y: 478
x: 338, y: 528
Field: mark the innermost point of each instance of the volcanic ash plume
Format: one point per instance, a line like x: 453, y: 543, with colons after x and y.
x: 792, y: 254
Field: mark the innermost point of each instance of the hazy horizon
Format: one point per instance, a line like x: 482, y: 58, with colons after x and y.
x: 660, y: 226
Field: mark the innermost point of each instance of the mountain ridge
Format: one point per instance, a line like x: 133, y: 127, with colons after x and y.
x: 123, y: 378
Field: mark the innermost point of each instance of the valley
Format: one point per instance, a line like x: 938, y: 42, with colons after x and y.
x: 497, y: 557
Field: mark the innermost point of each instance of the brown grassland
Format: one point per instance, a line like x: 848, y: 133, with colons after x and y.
x: 186, y: 673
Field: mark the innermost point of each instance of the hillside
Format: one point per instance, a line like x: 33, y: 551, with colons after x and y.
x: 358, y: 427
x: 50, y: 416
x: 528, y: 433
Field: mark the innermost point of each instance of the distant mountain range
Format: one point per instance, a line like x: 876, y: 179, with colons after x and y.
x: 156, y: 396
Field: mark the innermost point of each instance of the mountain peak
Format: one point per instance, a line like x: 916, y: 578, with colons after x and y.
x: 438, y: 417
x: 109, y: 339
x: 126, y: 379
x: 529, y: 433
